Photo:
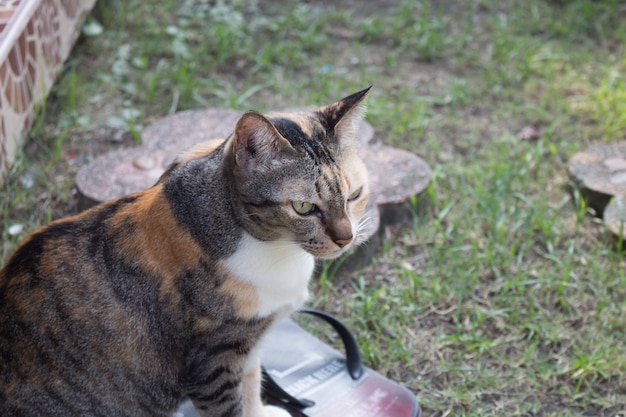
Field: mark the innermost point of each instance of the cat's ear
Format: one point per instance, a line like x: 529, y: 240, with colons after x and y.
x: 257, y: 143
x: 342, y: 116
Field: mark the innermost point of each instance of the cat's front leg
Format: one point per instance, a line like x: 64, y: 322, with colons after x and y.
x: 253, y: 407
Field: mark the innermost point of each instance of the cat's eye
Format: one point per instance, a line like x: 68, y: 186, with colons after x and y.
x: 355, y: 194
x: 303, y: 207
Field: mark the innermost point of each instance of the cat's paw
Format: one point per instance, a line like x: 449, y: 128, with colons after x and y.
x: 271, y: 411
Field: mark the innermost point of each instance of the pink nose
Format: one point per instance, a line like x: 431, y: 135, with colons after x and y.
x: 340, y: 232
x: 341, y: 242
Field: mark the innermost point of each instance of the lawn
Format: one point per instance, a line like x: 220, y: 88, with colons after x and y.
x: 507, y: 296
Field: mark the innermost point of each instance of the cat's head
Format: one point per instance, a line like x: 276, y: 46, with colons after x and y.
x: 299, y: 177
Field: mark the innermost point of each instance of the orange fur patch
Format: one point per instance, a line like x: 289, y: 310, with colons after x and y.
x: 199, y: 150
x: 159, y: 243
x: 244, y: 295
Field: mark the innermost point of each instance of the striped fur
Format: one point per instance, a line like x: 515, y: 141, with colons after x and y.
x: 139, y: 303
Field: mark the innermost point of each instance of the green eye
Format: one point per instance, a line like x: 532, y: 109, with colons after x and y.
x: 355, y: 194
x: 303, y: 207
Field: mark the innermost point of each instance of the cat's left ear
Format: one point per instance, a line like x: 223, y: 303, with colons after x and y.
x: 257, y: 143
x: 342, y: 116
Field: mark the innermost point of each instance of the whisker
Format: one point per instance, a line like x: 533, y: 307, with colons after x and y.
x: 279, y: 244
x: 364, y: 229
x: 282, y: 245
x: 364, y: 223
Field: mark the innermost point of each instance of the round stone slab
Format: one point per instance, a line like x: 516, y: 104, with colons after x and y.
x: 615, y: 216
x: 600, y: 173
x: 117, y: 173
x: 395, y: 177
x: 184, y: 129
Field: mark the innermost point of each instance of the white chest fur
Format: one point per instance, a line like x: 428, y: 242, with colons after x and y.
x: 279, y: 270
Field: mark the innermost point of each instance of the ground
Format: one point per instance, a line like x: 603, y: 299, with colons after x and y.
x: 506, y: 296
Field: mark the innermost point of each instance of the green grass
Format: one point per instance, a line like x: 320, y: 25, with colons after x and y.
x: 506, y: 297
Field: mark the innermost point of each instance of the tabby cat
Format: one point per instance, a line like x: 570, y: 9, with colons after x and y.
x: 139, y: 303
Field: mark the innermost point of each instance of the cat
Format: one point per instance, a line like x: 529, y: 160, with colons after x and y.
x: 139, y: 303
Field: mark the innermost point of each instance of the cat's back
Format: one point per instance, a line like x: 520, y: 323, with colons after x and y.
x: 72, y: 323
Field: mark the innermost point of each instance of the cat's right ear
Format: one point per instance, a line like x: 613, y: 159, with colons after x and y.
x: 342, y: 117
x: 257, y: 143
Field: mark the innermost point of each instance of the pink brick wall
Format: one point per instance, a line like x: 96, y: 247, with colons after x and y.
x: 36, y: 36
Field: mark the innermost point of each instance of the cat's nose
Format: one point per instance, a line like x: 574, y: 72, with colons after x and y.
x: 341, y: 242
x: 341, y: 232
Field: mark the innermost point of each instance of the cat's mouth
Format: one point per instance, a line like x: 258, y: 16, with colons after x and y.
x: 325, y: 249
x: 332, y: 250
x: 333, y: 255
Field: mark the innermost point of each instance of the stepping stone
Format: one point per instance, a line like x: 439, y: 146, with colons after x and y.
x: 600, y: 173
x: 395, y: 175
x: 615, y: 216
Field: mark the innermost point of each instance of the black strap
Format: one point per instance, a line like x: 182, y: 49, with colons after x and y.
x: 353, y: 362
x: 353, y: 357
x: 277, y: 393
